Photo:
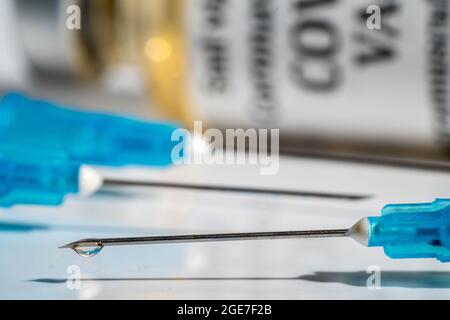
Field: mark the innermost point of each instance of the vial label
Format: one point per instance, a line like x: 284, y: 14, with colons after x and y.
x: 319, y: 68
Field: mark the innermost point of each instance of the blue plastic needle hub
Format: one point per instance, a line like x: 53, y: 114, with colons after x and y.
x: 413, y: 230
x: 85, y: 137
x: 36, y: 181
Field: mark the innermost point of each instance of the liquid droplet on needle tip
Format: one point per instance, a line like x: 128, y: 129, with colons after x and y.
x: 84, y: 248
x: 87, y: 252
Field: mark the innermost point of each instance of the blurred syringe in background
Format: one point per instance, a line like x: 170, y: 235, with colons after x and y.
x: 46, y: 151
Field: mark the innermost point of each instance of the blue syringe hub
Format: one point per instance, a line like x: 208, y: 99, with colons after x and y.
x: 38, y: 180
x: 85, y: 137
x: 413, y: 230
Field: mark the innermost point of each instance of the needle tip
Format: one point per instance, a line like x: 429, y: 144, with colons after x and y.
x: 69, y: 245
x: 81, y: 243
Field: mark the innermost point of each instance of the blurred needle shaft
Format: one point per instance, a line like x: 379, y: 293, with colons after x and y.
x: 186, y: 186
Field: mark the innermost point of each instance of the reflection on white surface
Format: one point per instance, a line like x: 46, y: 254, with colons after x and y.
x: 32, y: 266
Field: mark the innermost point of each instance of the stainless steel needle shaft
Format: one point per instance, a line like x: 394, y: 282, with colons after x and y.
x: 207, y: 237
x: 91, y: 247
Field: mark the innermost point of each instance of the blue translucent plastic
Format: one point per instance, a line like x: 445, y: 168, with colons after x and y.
x: 35, y: 180
x: 85, y: 137
x: 413, y: 230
